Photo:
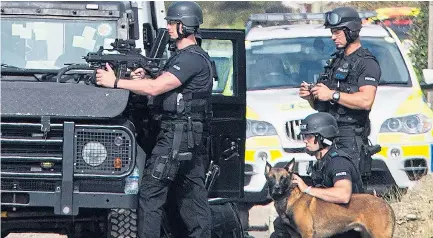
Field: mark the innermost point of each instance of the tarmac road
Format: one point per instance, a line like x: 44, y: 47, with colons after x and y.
x: 259, y: 220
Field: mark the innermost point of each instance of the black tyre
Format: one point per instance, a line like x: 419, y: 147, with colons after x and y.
x: 225, y: 221
x: 122, y: 223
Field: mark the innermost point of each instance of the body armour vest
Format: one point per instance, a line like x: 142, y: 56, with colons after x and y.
x: 318, y: 178
x: 342, y: 75
x: 179, y: 104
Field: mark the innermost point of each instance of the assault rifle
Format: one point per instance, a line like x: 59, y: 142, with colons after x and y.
x: 123, y: 58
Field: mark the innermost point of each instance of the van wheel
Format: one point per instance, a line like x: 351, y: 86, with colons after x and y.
x: 122, y: 223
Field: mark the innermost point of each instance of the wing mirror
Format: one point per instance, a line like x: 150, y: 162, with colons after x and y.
x: 428, y: 76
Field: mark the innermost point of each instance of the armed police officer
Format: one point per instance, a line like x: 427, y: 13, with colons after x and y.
x: 183, y: 93
x: 335, y: 176
x: 347, y: 89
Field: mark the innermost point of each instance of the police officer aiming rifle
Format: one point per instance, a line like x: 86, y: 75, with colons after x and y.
x: 335, y: 175
x: 182, y: 95
x: 347, y: 89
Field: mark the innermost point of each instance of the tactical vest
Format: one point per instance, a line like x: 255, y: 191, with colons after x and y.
x: 320, y: 166
x: 181, y: 105
x: 342, y: 75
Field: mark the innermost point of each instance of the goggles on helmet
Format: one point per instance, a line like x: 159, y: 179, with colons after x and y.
x: 333, y: 19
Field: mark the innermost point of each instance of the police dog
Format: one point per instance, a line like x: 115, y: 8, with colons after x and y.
x: 313, y: 217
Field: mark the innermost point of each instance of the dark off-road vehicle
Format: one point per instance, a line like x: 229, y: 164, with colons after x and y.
x: 68, y: 146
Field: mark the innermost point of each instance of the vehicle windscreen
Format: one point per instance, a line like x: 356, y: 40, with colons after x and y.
x: 282, y: 63
x: 51, y: 43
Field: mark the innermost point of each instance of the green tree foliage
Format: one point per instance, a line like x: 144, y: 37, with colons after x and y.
x: 372, y: 5
x: 419, y: 36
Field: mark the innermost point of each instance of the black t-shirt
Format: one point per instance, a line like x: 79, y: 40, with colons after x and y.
x: 191, y: 69
x: 338, y: 168
x: 368, y: 69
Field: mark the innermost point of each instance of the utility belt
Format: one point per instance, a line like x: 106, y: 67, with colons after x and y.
x: 175, y: 105
x: 167, y: 166
x: 168, y: 116
x: 350, y: 131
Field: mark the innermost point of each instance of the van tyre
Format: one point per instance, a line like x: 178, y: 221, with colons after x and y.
x: 122, y: 223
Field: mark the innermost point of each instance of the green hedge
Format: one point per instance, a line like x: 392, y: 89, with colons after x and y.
x: 419, y: 36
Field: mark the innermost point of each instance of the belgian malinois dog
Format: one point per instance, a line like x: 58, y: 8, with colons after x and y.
x: 313, y: 217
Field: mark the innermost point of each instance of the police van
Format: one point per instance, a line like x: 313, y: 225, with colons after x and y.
x: 283, y: 50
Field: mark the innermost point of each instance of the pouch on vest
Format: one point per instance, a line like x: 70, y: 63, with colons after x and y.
x: 316, y: 173
x: 198, y: 133
x: 169, y: 103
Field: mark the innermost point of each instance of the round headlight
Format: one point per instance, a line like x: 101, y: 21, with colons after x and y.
x: 260, y: 128
x: 94, y: 153
x: 412, y: 124
x: 394, y: 124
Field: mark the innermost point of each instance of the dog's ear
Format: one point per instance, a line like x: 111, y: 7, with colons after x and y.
x: 289, y: 166
x: 267, y: 168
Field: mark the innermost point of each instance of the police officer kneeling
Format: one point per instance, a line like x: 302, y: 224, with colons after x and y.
x: 183, y: 93
x: 347, y: 89
x: 335, y: 176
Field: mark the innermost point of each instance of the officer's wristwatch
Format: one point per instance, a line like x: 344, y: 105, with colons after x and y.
x: 335, y: 96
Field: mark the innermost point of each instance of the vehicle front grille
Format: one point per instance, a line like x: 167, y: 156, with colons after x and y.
x: 24, y: 147
x: 29, y: 185
x: 26, y: 152
x: 292, y: 130
x: 415, y: 168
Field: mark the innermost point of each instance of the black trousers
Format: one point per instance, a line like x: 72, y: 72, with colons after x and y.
x: 188, y: 190
x: 282, y: 230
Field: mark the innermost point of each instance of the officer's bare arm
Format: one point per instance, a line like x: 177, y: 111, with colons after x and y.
x: 340, y: 193
x: 362, y: 100
x: 164, y: 83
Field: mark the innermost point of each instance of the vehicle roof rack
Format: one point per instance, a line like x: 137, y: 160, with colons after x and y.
x: 275, y: 19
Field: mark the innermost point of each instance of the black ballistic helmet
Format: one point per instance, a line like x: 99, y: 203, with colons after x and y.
x: 320, y: 123
x: 189, y: 13
x: 345, y: 18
